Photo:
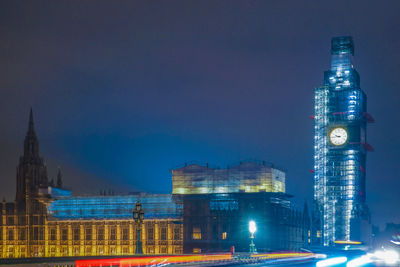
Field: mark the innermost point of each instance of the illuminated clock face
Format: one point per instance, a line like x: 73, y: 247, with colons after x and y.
x: 338, y: 136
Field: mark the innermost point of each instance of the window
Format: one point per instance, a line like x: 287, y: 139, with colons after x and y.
x: 150, y: 233
x: 22, y: 220
x: 64, y: 234
x: 10, y: 234
x: 35, y: 233
x: 125, y: 234
x: 52, y: 252
x: 88, y: 251
x: 10, y: 220
x: 23, y: 254
x: 65, y: 251
x: 196, y: 233
x: 41, y: 233
x: 76, y: 251
x: 163, y: 250
x: 100, y: 234
x: 35, y: 219
x: 163, y: 235
x: 177, y: 233
x: 88, y: 234
x: 22, y: 234
x: 113, y: 233
x: 224, y: 235
x: 76, y: 233
x: 226, y: 203
x: 11, y: 252
x: 35, y: 251
x: 125, y: 250
x: 53, y: 234
x: 196, y: 250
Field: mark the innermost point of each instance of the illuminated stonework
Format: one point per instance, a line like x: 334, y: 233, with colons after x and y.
x: 46, y: 221
x: 89, y: 238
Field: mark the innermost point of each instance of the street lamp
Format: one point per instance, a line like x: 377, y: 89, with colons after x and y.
x: 138, y: 216
x: 252, y: 230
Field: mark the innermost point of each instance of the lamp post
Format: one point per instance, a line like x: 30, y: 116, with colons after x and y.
x: 138, y: 216
x: 252, y: 230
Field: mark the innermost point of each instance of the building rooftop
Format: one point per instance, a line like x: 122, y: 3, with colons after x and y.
x: 155, y: 206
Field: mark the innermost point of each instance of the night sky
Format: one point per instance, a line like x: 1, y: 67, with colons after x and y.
x: 124, y: 91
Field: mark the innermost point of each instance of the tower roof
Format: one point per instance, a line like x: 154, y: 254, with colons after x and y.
x: 342, y: 45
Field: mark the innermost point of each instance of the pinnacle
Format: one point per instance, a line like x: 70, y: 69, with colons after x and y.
x: 30, y: 127
x: 59, y: 178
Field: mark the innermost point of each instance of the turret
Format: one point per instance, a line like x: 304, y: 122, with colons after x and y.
x: 59, y: 178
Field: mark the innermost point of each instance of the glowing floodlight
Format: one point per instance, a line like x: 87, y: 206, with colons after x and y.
x: 252, y: 227
x: 252, y: 230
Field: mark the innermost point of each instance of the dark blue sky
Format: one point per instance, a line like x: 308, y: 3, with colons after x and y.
x: 123, y: 91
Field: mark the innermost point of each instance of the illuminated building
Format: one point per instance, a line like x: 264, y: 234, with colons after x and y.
x: 206, y: 212
x: 219, y: 203
x: 46, y: 221
x: 249, y: 177
x: 340, y: 146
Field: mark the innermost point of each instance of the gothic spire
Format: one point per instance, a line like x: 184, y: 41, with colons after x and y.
x: 59, y: 178
x: 31, y: 171
x: 30, y: 127
x: 31, y: 144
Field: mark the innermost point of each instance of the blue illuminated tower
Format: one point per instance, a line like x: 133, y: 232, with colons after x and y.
x: 340, y: 146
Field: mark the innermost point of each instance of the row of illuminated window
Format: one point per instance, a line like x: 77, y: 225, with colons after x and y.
x: 336, y: 172
x: 38, y: 234
x: 230, y: 204
x: 53, y: 251
x: 196, y: 234
x: 342, y: 189
x: 21, y: 234
x: 21, y: 220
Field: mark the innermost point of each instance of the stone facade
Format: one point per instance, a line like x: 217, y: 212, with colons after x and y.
x: 34, y: 225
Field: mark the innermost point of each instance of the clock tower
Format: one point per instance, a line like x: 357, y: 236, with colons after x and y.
x: 340, y: 147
